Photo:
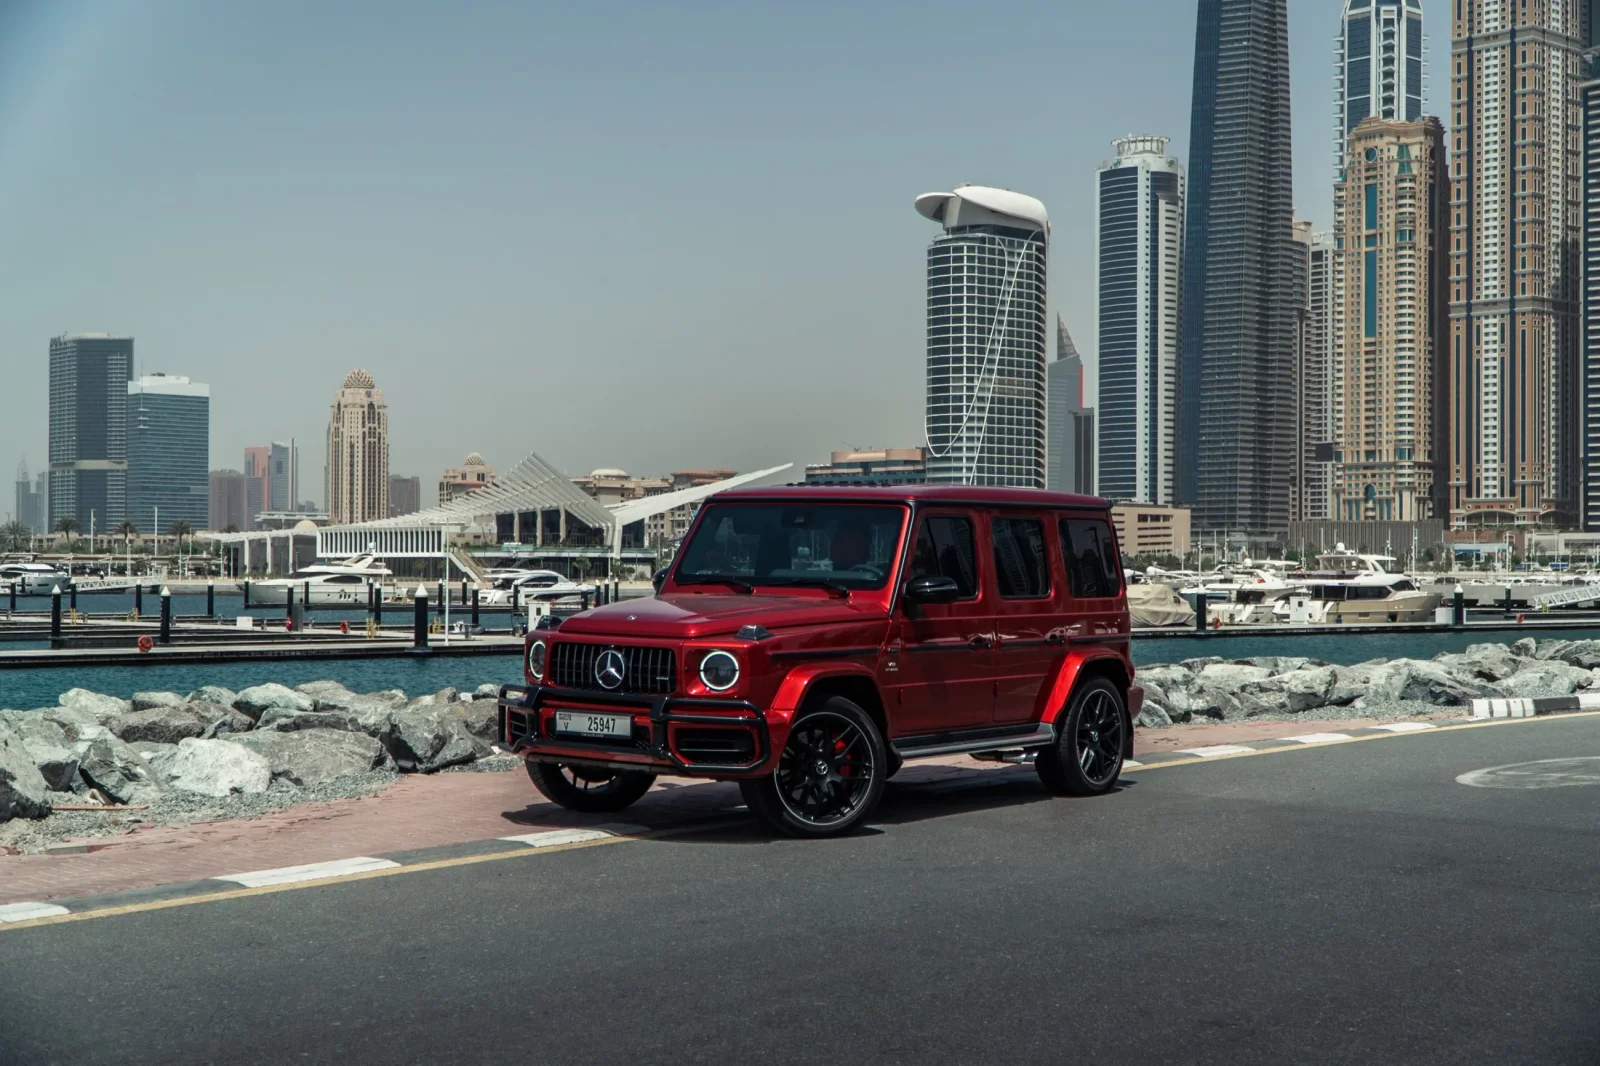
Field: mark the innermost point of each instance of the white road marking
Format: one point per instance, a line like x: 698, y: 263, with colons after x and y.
x: 288, y: 875
x: 25, y: 912
x: 552, y: 837
x: 1215, y: 750
x: 1542, y: 773
x: 1129, y: 764
x: 1405, y: 727
x: 1320, y: 738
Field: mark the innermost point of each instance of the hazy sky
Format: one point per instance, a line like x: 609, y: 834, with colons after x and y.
x: 652, y: 236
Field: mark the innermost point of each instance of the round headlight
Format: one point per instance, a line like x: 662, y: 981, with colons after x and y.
x: 719, y: 671
x: 536, y: 656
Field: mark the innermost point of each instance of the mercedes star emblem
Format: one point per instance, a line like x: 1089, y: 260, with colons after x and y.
x: 610, y: 669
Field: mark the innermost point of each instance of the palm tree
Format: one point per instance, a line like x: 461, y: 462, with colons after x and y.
x: 15, y: 536
x: 178, y: 530
x: 67, y: 526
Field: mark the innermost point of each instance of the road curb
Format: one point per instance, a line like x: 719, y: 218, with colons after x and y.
x: 1535, y: 707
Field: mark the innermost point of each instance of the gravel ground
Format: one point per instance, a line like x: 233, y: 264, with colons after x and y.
x: 1399, y: 710
x: 179, y: 808
x: 494, y: 764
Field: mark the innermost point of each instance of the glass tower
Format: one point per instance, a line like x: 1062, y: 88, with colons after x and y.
x: 986, y: 337
x: 1071, y: 443
x: 89, y: 375
x: 1378, y: 66
x: 1236, y: 417
x: 169, y: 453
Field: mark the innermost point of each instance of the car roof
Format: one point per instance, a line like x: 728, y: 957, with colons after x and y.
x: 976, y: 495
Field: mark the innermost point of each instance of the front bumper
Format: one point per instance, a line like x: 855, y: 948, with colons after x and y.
x: 671, y: 734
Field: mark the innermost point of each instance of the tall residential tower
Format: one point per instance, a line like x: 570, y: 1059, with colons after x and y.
x: 1236, y: 419
x: 169, y: 452
x: 1141, y: 256
x: 1378, y: 66
x: 1516, y: 231
x: 358, y: 452
x: 986, y: 337
x: 89, y: 375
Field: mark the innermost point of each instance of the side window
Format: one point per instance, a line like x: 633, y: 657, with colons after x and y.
x: 1021, y: 567
x: 1093, y: 568
x: 946, y: 548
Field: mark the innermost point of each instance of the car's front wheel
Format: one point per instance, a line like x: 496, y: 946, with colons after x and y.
x: 1086, y: 758
x: 579, y: 788
x: 830, y: 773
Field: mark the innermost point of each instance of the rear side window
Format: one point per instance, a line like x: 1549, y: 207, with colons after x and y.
x: 945, y: 548
x: 1093, y: 568
x: 1021, y: 568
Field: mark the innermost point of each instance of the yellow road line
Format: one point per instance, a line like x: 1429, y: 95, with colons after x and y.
x: 1566, y: 715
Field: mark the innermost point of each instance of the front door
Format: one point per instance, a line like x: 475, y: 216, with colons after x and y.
x: 1029, y: 643
x: 937, y: 674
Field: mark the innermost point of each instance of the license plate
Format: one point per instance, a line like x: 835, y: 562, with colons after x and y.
x: 594, y: 725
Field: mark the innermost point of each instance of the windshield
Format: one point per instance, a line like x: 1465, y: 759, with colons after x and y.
x: 793, y: 544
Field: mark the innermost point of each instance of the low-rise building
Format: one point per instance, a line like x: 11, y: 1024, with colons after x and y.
x: 474, y: 475
x: 1148, y: 529
x: 611, y: 487
x: 879, y: 466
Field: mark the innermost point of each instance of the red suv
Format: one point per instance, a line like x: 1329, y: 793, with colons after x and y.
x: 808, y: 640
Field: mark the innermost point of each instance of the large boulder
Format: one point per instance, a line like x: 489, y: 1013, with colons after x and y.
x: 100, y: 706
x: 217, y: 768
x: 1225, y: 675
x: 1580, y: 653
x: 213, y: 694
x: 24, y: 792
x: 312, y: 757
x: 1418, y: 680
x: 259, y: 699
x: 115, y: 768
x: 1527, y: 647
x: 1485, y: 662
x: 163, y: 723
x: 481, y: 718
x: 282, y: 721
x: 429, y: 738
x: 1553, y: 678
x: 1168, y: 675
x: 486, y: 692
x: 1282, y: 664
x: 1308, y: 689
x: 144, y: 701
x: 221, y: 719
x: 444, y: 695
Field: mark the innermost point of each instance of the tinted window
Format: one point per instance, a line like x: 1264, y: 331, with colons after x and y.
x: 1021, y: 568
x: 945, y: 547
x: 1093, y: 568
x: 793, y: 544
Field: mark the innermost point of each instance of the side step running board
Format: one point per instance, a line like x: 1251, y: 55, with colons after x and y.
x: 967, y: 746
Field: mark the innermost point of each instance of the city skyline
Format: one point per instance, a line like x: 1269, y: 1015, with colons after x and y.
x: 867, y: 309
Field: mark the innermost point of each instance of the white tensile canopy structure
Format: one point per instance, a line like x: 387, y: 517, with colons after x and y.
x: 532, y: 486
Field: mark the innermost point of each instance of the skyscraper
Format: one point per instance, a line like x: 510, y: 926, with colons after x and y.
x: 1391, y: 226
x: 1070, y: 448
x: 257, y: 483
x: 1141, y: 255
x: 1378, y: 66
x: 1236, y: 409
x: 30, y: 504
x: 1516, y: 213
x: 89, y: 375
x: 1589, y: 97
x: 283, y: 476
x: 1311, y: 490
x: 227, y: 501
x: 169, y: 452
x: 986, y: 337
x: 358, y: 452
x: 405, y: 495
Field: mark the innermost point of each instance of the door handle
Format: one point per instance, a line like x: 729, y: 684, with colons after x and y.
x: 979, y: 643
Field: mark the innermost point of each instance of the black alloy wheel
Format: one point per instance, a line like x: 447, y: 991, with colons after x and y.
x: 830, y: 773
x: 589, y: 789
x: 1086, y: 758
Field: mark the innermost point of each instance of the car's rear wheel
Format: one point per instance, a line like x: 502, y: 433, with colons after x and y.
x: 592, y: 791
x: 830, y: 773
x: 1086, y: 758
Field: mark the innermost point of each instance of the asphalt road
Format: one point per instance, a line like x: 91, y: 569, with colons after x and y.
x: 1349, y: 904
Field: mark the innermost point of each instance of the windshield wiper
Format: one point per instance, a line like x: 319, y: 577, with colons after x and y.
x: 838, y: 588
x: 720, y: 579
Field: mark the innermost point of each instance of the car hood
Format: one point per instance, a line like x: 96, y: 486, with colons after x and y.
x: 712, y: 615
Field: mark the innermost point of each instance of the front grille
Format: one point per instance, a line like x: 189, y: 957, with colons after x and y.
x: 646, y: 671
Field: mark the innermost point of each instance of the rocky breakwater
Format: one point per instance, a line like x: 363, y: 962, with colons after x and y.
x: 165, y: 750
x: 1216, y: 689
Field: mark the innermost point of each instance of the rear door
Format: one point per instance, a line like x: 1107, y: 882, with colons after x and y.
x: 1094, y: 576
x: 937, y: 674
x: 1029, y: 644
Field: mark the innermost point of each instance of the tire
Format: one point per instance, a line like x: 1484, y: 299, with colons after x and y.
x: 591, y: 791
x: 830, y: 773
x: 1086, y: 758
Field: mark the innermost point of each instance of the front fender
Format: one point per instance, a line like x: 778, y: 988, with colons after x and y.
x: 799, y: 682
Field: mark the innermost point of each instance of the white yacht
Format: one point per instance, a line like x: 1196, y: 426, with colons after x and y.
x: 1244, y: 595
x: 33, y: 579
x: 326, y: 583
x: 1353, y: 588
x: 527, y: 586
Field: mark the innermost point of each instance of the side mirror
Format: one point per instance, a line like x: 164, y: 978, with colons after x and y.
x: 935, y: 588
x: 659, y: 578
